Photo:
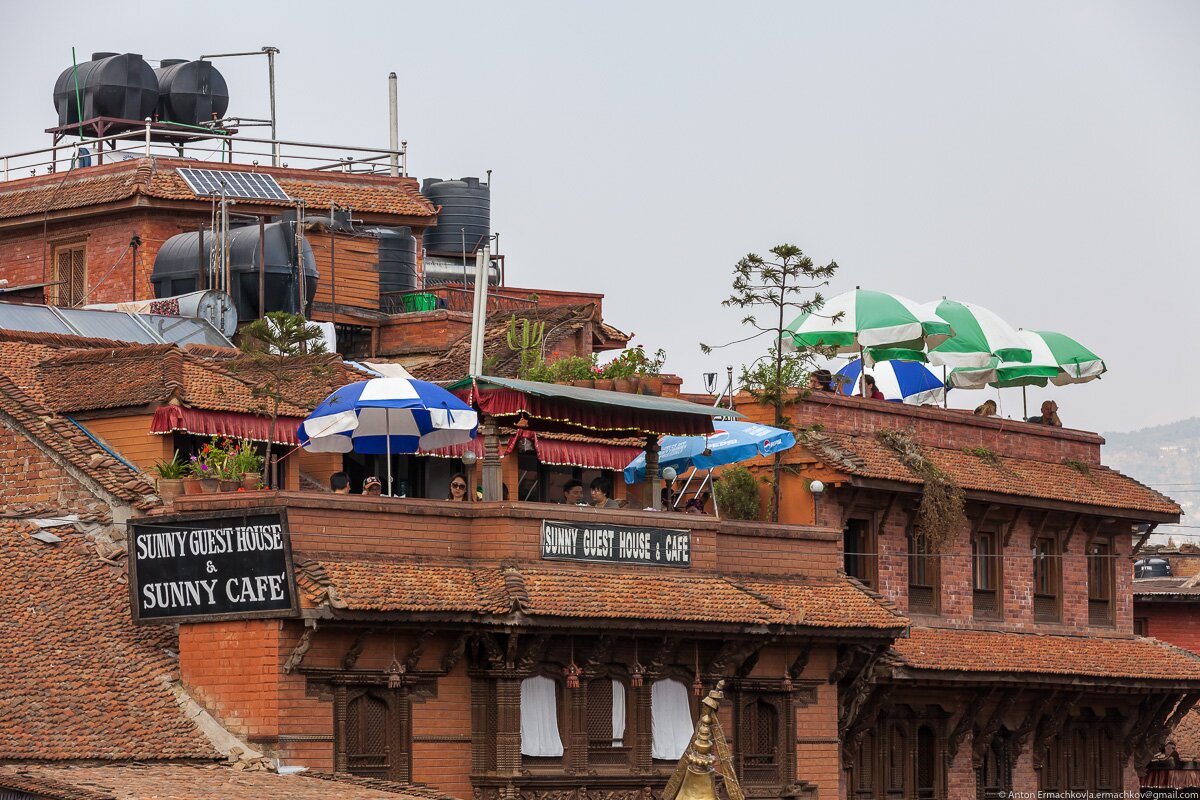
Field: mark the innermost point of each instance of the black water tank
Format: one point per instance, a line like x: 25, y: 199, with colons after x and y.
x: 397, y: 259
x: 465, y: 203
x: 190, y: 92
x: 175, y: 267
x: 110, y: 85
x: 1152, y: 568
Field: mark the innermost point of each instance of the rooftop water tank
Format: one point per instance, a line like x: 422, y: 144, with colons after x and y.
x: 175, y: 267
x: 190, y: 92
x: 110, y: 85
x: 1152, y: 568
x: 464, y: 222
x: 397, y: 259
x: 214, y: 307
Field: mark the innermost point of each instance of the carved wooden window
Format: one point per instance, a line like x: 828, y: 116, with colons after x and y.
x: 606, y: 717
x: 923, y: 580
x: 758, y: 740
x: 1079, y: 762
x: 1047, y: 579
x: 541, y: 740
x: 1050, y: 777
x: 863, y: 768
x: 993, y: 777
x: 986, y: 569
x: 897, y: 762
x: 1101, y: 566
x: 1108, y: 762
x: 373, y: 733
x: 859, y: 554
x: 672, y: 719
x: 927, y: 764
x: 69, y: 264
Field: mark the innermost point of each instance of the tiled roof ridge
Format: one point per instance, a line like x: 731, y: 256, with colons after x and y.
x: 73, y: 445
x: 879, y: 598
x: 514, y: 586
x: 760, y: 597
x: 96, y: 355
x: 1164, y: 497
x: 64, y: 340
x: 415, y: 789
x: 18, y: 777
x: 829, y: 452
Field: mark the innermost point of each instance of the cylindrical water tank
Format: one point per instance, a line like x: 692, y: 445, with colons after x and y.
x: 464, y: 222
x: 190, y: 92
x: 175, y: 267
x: 214, y: 307
x: 110, y: 85
x: 397, y: 259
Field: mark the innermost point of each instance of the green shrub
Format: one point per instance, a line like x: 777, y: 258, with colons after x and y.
x: 736, y: 492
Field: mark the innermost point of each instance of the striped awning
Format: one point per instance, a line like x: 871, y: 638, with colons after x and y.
x: 551, y: 450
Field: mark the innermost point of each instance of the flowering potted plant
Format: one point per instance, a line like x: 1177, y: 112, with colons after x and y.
x: 246, y: 464
x: 211, y: 465
x: 634, y: 369
x: 170, y: 478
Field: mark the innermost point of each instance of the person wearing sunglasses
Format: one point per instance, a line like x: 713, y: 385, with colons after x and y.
x: 458, y: 488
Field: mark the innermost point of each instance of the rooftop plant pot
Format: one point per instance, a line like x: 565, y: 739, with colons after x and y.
x: 169, y: 489
x: 192, y: 486
x: 605, y: 383
x: 210, y: 485
x: 251, y: 481
x: 229, y: 485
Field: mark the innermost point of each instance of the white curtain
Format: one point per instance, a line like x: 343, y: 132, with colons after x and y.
x: 539, y: 718
x: 618, y: 717
x: 670, y: 719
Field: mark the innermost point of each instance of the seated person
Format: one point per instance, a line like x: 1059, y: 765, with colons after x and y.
x: 573, y: 493
x: 1049, y: 415
x: 458, y: 488
x: 696, y: 504
x: 872, y: 390
x: 372, y: 487
x: 820, y: 381
x: 601, y: 494
x: 339, y: 483
x: 986, y: 409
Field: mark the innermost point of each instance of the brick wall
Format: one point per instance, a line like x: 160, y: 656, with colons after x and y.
x: 422, y: 332
x: 1177, y: 623
x: 29, y: 477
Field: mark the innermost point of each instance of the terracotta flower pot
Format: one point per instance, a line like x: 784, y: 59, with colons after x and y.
x: 192, y: 486
x: 169, y: 489
x: 623, y: 384
x: 605, y: 383
x: 229, y: 485
x: 251, y: 480
x: 586, y: 384
x: 650, y: 384
x: 210, y: 485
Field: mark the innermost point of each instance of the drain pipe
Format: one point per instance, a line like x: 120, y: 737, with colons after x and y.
x: 394, y: 125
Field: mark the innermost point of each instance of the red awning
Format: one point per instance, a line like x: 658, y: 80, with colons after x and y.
x: 565, y: 415
x: 169, y: 419
x: 589, y: 455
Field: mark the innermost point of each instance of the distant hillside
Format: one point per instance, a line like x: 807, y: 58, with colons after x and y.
x: 1166, y: 457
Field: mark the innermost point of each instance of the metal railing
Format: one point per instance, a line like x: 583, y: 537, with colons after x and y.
x: 211, y: 145
x: 453, y: 299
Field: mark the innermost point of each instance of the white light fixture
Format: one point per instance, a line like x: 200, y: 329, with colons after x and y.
x: 669, y: 474
x: 469, y: 458
x: 816, y: 487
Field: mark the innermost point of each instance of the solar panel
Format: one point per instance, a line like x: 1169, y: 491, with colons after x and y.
x: 253, y: 185
x: 119, y: 325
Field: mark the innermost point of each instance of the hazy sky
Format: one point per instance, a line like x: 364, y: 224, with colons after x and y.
x: 1039, y: 159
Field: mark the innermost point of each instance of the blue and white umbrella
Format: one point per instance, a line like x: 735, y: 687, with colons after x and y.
x: 729, y: 443
x: 388, y: 415
x: 907, y: 381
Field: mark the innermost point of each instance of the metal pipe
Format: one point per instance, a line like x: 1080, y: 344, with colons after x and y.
x: 393, y: 123
x: 147, y: 137
x: 201, y: 278
x: 135, y: 243
x: 404, y: 158
x: 262, y: 267
x: 271, y: 51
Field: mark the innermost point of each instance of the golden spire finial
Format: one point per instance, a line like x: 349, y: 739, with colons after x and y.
x: 695, y: 778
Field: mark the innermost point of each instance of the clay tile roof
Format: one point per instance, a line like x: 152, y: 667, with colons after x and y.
x: 157, y: 178
x: 562, y: 323
x: 864, y: 455
x: 1149, y: 589
x: 1000, y: 652
x: 78, y: 680
x: 189, y: 781
x: 600, y: 594
x: 1186, y: 736
x: 71, y: 443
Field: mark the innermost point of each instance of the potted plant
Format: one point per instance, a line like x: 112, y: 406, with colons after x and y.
x: 634, y: 370
x: 211, y: 466
x: 247, y: 464
x: 170, y: 478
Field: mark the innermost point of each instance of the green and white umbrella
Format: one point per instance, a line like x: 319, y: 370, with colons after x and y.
x: 979, y: 336
x: 879, y: 324
x: 1055, y: 358
x: 1002, y: 375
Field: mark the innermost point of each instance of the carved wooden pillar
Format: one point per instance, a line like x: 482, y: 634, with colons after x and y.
x: 402, y: 708
x: 640, y: 696
x: 341, y: 762
x: 654, y: 496
x: 508, y: 724
x: 576, y: 701
x: 493, y: 482
x: 481, y: 733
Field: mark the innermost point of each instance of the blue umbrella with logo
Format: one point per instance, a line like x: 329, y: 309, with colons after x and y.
x: 729, y: 443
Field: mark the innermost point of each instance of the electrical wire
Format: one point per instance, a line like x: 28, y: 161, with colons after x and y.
x: 107, y: 272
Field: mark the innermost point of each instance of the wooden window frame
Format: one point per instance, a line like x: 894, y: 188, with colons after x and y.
x: 1101, y: 581
x: 871, y: 767
x: 993, y: 567
x: 772, y: 778
x: 67, y: 295
x: 863, y: 564
x: 1048, y: 578
x: 398, y: 734
x: 607, y: 757
x: 932, y: 576
x: 562, y: 712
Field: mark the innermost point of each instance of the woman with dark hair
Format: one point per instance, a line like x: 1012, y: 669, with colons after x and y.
x: 458, y: 488
x: 601, y: 491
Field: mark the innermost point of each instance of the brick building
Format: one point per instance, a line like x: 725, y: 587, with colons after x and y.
x: 1021, y: 670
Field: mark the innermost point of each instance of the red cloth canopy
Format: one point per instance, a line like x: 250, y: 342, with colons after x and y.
x: 589, y: 455
x: 567, y: 415
x: 169, y: 419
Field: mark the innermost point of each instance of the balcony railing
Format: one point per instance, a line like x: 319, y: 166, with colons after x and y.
x: 452, y: 299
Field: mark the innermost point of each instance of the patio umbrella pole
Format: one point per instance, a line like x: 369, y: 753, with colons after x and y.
x: 1024, y: 404
x: 387, y: 424
x: 862, y: 375
x: 945, y: 389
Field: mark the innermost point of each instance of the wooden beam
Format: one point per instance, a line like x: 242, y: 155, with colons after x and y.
x: 1142, y: 541
x: 1037, y: 531
x: 887, y: 511
x: 982, y: 738
x: 356, y: 648
x: 450, y: 659
x: 981, y: 520
x: 966, y: 722
x: 1012, y: 526
x: 1075, y: 523
x: 849, y: 507
x: 800, y: 661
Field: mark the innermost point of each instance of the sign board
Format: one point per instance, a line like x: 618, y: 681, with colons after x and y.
x: 234, y: 566
x: 616, y: 544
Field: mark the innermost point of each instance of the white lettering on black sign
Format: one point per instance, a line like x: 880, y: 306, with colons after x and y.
x: 230, y: 567
x: 570, y: 541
